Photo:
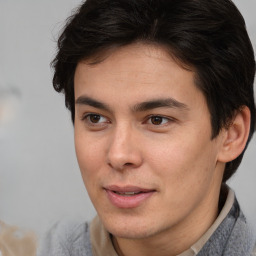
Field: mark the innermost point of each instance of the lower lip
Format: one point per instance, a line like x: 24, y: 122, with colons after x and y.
x: 132, y: 201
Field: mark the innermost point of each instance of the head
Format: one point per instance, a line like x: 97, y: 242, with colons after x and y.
x: 208, y: 37
x: 161, y: 96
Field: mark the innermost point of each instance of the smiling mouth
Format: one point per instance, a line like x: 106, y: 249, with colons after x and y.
x: 128, y: 190
x: 128, y: 196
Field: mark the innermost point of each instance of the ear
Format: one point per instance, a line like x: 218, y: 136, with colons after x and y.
x: 235, y: 136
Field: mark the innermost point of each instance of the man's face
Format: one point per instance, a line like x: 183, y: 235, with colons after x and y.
x: 143, y: 143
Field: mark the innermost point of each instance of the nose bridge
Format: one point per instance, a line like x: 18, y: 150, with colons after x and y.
x: 123, y: 150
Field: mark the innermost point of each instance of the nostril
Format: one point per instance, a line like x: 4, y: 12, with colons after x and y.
x: 120, y: 168
x: 128, y: 164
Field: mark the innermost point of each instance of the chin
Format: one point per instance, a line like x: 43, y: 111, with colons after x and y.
x: 132, y: 234
x: 131, y: 228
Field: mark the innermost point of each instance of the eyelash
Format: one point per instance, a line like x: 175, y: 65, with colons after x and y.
x: 167, y: 119
x: 86, y: 118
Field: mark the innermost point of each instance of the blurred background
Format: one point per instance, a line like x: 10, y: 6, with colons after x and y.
x: 39, y: 177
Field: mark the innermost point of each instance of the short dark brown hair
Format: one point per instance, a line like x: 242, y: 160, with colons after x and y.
x: 207, y: 35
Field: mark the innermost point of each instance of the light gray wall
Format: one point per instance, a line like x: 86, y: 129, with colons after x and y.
x: 39, y: 177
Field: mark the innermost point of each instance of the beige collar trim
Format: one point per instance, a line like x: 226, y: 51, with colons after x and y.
x: 195, y: 248
x: 100, y: 239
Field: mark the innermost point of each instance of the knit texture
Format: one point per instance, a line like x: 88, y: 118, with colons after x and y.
x: 67, y: 239
x: 232, y: 238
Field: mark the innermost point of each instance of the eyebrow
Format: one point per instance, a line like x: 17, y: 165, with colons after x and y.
x: 84, y: 100
x: 160, y: 103
x: 140, y: 107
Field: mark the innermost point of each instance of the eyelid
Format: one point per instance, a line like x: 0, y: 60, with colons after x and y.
x: 85, y: 117
x: 168, y: 118
x: 105, y: 121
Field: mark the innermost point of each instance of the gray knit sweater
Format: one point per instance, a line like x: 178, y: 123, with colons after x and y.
x: 232, y: 238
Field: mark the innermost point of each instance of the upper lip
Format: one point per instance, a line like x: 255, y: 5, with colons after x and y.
x: 123, y: 189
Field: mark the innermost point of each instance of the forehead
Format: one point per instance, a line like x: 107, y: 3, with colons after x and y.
x: 135, y: 72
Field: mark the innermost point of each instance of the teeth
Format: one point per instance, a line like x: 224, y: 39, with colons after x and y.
x: 130, y: 193
x: 127, y: 193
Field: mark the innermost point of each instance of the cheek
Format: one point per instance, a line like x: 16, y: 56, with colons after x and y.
x: 168, y: 155
x: 183, y: 161
x: 184, y: 174
x: 89, y: 166
x: 89, y: 156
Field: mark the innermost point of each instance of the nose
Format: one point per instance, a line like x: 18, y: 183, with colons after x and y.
x: 123, y: 151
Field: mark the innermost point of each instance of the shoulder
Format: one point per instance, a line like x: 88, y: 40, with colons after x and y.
x: 66, y: 238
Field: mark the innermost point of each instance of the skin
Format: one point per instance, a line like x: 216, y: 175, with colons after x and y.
x: 171, y: 153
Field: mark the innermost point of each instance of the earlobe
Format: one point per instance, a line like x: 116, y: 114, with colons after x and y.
x: 235, y: 136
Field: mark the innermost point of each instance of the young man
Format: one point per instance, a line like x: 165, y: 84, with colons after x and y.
x: 161, y: 97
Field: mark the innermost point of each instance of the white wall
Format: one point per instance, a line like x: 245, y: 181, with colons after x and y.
x: 39, y: 178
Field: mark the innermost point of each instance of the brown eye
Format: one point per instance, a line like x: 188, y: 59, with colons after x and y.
x: 156, y: 120
x: 95, y: 122
x: 94, y: 118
